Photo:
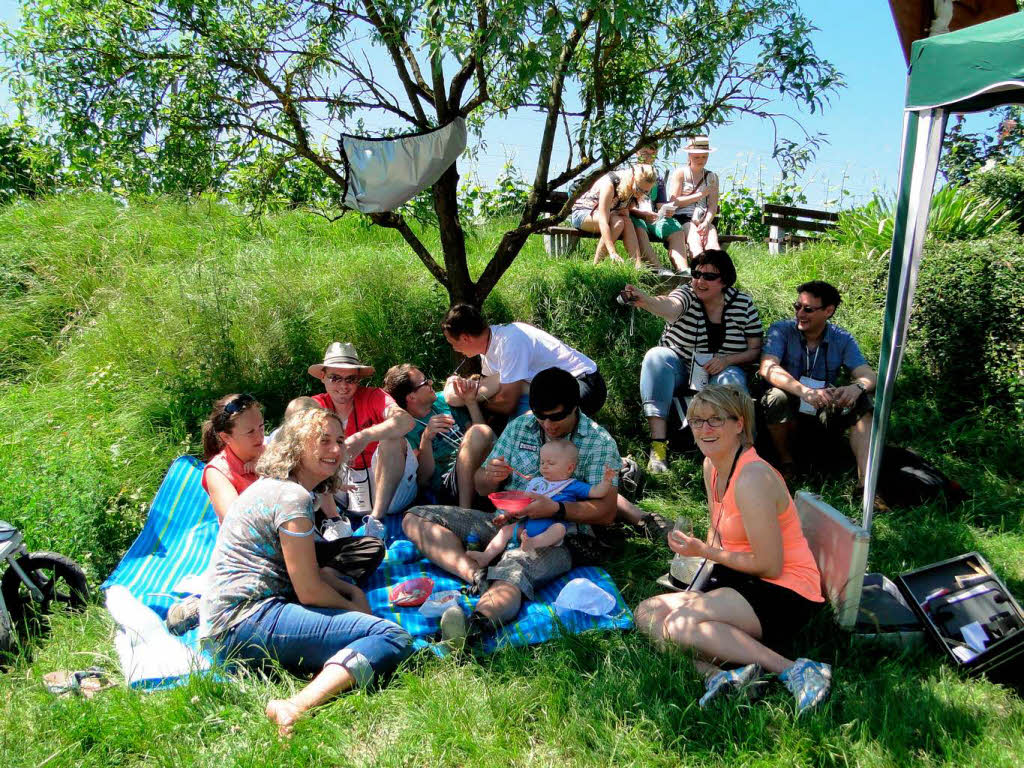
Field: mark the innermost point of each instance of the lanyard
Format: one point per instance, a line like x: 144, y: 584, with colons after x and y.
x: 808, y: 363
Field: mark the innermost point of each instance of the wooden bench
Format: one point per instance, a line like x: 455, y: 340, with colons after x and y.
x: 785, y: 220
x: 562, y: 241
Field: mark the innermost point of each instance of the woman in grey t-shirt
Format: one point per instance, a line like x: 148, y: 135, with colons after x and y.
x: 269, y: 598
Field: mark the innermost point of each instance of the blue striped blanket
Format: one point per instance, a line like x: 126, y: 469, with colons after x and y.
x: 181, y: 528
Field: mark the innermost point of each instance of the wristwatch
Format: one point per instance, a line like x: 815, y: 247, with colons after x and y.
x: 560, y: 514
x: 860, y: 385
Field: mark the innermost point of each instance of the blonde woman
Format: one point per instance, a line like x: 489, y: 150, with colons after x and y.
x: 268, y: 598
x: 694, y: 191
x: 604, y: 210
x: 764, y: 586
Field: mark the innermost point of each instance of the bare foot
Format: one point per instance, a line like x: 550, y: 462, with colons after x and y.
x: 525, y: 542
x: 284, y: 714
x: 479, y: 558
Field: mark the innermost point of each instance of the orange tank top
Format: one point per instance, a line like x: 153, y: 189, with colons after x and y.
x: 799, y: 570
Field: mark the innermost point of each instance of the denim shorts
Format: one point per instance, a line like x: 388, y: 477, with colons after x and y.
x: 577, y: 217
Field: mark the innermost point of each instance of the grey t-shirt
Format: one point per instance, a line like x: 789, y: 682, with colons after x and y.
x: 247, y: 566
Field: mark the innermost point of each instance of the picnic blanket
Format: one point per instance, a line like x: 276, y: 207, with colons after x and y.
x: 177, y: 541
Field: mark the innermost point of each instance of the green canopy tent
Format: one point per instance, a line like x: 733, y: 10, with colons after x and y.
x: 972, y: 69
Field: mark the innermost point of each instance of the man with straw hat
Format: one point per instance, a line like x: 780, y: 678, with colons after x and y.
x: 694, y: 191
x: 380, y: 465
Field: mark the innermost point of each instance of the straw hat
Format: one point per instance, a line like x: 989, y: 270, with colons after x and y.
x: 699, y: 144
x: 340, y: 355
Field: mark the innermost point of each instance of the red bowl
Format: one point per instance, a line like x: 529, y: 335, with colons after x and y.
x: 510, y: 501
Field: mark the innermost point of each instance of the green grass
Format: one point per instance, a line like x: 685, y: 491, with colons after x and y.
x: 119, y: 326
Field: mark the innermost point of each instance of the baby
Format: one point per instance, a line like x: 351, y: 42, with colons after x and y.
x: 558, y: 459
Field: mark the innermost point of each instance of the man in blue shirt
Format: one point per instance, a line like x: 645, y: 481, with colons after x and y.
x: 803, y: 360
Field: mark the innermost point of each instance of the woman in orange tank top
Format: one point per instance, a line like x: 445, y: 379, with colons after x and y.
x: 764, y: 587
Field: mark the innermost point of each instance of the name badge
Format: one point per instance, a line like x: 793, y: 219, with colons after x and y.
x: 699, y: 378
x: 810, y: 383
x: 528, y: 447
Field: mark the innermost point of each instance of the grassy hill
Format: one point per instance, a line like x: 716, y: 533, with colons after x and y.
x: 118, y: 327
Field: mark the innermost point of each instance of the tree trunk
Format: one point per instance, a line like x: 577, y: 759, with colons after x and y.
x: 453, y: 239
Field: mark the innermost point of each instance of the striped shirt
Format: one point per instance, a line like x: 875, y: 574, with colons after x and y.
x: 689, y: 331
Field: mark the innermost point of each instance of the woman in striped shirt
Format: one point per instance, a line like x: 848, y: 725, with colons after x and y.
x: 712, y: 331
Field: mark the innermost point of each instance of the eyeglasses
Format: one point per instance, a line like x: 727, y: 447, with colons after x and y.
x: 715, y: 422
x: 334, y: 378
x: 798, y: 308
x: 709, y: 276
x: 556, y: 416
x: 425, y: 383
x: 238, y: 404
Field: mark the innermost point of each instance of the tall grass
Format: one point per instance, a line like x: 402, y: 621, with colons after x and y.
x: 121, y: 325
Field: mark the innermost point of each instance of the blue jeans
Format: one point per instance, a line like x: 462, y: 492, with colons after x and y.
x: 663, y: 372
x: 306, y: 639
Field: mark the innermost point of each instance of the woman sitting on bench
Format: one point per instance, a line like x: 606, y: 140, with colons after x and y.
x: 604, y: 210
x: 764, y: 586
x: 694, y: 191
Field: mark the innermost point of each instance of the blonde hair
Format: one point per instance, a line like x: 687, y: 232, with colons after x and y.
x: 285, y: 451
x: 564, y: 446
x: 300, y: 404
x: 627, y: 183
x: 727, y: 401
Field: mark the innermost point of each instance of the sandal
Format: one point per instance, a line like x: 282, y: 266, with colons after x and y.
x: 85, y: 682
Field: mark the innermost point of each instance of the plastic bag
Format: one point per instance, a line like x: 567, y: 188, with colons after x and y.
x: 439, y: 602
x: 585, y: 596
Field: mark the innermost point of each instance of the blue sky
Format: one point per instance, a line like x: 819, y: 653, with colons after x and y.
x: 862, y: 123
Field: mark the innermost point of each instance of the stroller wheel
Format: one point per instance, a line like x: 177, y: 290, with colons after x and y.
x: 59, y: 578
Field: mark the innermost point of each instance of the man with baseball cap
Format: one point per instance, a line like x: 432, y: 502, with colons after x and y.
x: 381, y: 465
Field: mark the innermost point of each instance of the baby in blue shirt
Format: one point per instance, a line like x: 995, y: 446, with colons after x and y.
x: 558, y: 460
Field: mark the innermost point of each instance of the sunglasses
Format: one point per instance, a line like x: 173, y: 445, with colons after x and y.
x: 798, y: 307
x: 425, y: 383
x: 336, y: 379
x: 238, y: 404
x: 556, y: 416
x: 709, y: 276
x: 714, y: 422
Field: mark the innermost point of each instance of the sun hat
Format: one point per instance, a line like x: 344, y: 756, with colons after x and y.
x: 340, y: 355
x: 699, y: 144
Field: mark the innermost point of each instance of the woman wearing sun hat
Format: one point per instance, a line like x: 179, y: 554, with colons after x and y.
x: 694, y: 191
x: 382, y: 468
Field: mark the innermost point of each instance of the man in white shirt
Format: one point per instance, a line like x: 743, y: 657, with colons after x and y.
x: 510, y: 356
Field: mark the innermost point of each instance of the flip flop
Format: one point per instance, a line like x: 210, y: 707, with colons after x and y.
x: 84, y: 682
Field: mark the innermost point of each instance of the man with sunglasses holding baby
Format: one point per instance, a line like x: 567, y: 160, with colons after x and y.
x: 804, y: 360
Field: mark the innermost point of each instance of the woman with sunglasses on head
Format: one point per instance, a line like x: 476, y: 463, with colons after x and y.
x: 764, y: 587
x: 448, y: 452
x: 232, y: 442
x: 604, y: 210
x: 269, y: 598
x: 712, y: 331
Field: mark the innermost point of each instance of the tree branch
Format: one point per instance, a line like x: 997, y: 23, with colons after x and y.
x: 392, y: 220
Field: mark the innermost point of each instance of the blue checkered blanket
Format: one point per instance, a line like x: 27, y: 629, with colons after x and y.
x: 181, y: 528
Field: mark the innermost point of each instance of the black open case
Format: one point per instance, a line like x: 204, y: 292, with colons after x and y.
x: 964, y: 592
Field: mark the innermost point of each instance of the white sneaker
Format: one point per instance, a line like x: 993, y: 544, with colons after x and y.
x: 454, y: 627
x: 373, y: 527
x: 810, y: 683
x: 656, y: 466
x: 338, y: 528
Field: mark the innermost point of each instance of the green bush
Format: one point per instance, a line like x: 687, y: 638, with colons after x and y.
x: 967, y: 325
x: 740, y: 208
x: 1004, y: 183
